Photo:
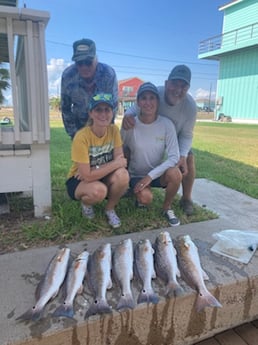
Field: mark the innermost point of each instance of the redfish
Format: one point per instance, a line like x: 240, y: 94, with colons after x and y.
x: 144, y: 263
x: 122, y: 268
x: 166, y: 264
x: 49, y: 285
x: 73, y: 284
x: 193, y: 274
x: 99, y: 279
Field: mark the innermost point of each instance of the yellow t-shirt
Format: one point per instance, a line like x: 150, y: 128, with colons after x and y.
x: 88, y: 148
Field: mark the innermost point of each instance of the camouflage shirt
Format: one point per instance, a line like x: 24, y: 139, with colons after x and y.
x: 76, y: 93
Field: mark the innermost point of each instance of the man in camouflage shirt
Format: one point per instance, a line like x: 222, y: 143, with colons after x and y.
x: 80, y: 81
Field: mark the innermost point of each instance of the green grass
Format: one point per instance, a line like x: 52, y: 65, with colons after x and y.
x: 68, y: 224
x: 225, y: 153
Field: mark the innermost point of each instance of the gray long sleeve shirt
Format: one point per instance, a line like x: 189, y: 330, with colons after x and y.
x: 183, y: 115
x: 153, y: 147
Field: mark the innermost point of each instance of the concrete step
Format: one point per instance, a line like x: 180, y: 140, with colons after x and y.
x: 172, y: 321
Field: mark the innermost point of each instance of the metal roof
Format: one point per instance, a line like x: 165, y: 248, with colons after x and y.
x: 3, y: 37
x: 13, y: 3
x: 18, y: 14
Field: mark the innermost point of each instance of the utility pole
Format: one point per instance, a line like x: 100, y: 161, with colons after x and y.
x: 210, y: 97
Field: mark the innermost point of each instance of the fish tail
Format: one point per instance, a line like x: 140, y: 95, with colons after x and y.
x: 145, y: 297
x: 206, y: 300
x: 173, y: 290
x: 98, y: 307
x: 65, y: 310
x: 126, y: 302
x: 33, y: 314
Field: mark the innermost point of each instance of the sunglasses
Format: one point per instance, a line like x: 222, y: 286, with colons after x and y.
x: 85, y: 62
x: 102, y: 97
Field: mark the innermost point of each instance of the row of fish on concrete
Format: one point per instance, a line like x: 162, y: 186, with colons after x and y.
x: 144, y: 260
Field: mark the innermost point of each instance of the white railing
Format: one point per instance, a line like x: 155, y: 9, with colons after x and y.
x: 229, y: 39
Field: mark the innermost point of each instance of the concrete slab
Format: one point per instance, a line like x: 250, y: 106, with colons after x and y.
x: 173, y: 321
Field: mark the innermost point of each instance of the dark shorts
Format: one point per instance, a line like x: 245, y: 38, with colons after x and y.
x: 71, y: 185
x: 154, y: 183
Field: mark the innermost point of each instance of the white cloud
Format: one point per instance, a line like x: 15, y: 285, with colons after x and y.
x: 204, y: 94
x: 55, y: 69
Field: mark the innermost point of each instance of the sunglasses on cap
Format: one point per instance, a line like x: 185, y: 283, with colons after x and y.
x: 103, y: 97
x: 88, y: 62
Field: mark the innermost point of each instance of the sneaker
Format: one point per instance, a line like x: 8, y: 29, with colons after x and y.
x: 88, y: 211
x: 187, y: 206
x: 172, y: 219
x: 113, y: 219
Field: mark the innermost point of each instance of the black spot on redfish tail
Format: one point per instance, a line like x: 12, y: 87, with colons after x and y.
x: 145, y: 297
x: 98, y: 307
x: 31, y: 314
x: 206, y: 299
x: 126, y: 302
x: 64, y: 310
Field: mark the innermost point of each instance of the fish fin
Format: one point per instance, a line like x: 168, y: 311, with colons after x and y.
x: 206, y: 299
x: 145, y: 297
x: 178, y: 273
x: 173, y: 290
x: 33, y: 314
x: 126, y: 302
x: 98, y: 307
x: 205, y: 275
x: 64, y: 310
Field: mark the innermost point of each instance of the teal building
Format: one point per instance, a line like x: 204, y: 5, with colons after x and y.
x: 236, y: 49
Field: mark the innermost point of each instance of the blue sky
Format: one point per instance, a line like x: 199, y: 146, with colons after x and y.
x: 137, y: 38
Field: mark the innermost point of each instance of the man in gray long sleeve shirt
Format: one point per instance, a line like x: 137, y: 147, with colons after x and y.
x: 153, y: 153
x: 177, y: 105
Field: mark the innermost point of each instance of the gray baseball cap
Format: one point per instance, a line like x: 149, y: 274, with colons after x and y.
x: 181, y: 72
x: 147, y: 87
x: 84, y: 49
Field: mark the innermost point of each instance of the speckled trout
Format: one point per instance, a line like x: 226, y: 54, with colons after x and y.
x: 144, y: 263
x: 166, y: 264
x: 99, y: 279
x: 122, y: 269
x: 49, y: 285
x: 73, y: 284
x: 193, y: 274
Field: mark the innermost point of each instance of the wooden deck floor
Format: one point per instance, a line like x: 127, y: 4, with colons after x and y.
x: 246, y: 334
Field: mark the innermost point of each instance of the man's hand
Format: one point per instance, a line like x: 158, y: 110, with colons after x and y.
x: 128, y: 122
x: 143, y: 183
x: 182, y: 165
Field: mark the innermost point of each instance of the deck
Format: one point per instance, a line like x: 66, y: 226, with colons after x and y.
x: 246, y: 334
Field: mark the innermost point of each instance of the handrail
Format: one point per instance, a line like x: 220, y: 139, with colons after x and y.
x: 229, y: 38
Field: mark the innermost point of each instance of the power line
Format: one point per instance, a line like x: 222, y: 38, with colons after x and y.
x: 139, y: 56
x: 156, y: 69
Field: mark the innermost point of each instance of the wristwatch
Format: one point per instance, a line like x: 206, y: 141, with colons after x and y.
x: 97, y: 166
